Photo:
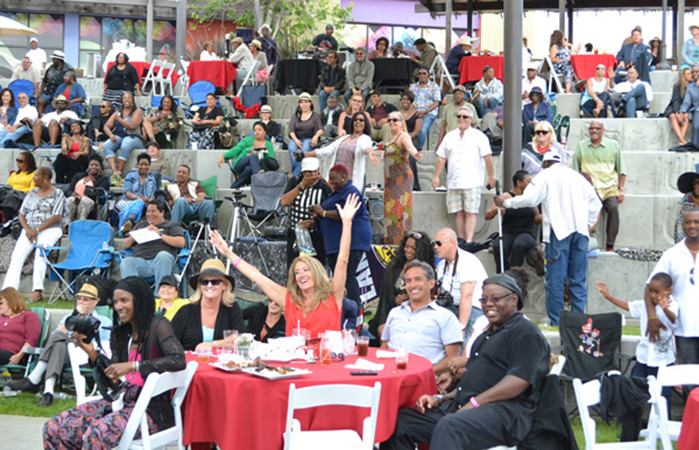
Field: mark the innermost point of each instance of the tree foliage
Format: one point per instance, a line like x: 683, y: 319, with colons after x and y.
x: 299, y: 18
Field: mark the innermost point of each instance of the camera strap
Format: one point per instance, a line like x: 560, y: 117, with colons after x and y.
x: 453, y: 273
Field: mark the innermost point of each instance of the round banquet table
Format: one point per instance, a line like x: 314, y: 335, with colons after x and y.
x: 585, y: 66
x: 471, y: 67
x: 220, y: 73
x: 689, y: 434
x: 243, y: 411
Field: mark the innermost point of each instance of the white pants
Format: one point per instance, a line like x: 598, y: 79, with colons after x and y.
x: 22, y: 249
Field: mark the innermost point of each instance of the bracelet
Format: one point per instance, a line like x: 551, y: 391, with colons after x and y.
x: 235, y: 264
x: 653, y: 318
x: 138, y: 366
x: 324, y: 213
x: 133, y: 366
x: 300, y: 187
x: 474, y: 402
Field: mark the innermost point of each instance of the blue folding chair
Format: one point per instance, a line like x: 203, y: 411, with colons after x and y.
x: 197, y: 93
x: 155, y: 101
x: 26, y: 86
x: 91, y: 247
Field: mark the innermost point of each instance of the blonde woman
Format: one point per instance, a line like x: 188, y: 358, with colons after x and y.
x: 544, y: 141
x: 310, y: 299
x: 199, y: 326
x: 356, y: 106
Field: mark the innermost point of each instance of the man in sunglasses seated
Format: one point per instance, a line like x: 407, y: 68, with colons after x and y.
x: 154, y: 253
x: 420, y: 325
x: 51, y: 125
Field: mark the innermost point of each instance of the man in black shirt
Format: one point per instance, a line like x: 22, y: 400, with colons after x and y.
x: 156, y: 257
x: 325, y: 42
x: 52, y: 79
x: 379, y: 111
x: 495, y: 399
x: 301, y: 193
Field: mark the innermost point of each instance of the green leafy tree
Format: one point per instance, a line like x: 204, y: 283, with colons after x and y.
x: 298, y: 18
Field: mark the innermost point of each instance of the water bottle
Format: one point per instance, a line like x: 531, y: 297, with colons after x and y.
x: 303, y: 240
x: 63, y: 396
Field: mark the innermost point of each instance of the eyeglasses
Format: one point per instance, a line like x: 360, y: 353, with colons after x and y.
x: 61, y: 101
x: 494, y: 299
x: 542, y: 132
x: 600, y: 68
x: 423, y: 73
x: 695, y: 182
x: 392, y: 119
x: 594, y: 128
x: 359, y: 120
x: 440, y: 243
x: 214, y: 282
x: 462, y: 116
x: 103, y: 106
x: 19, y: 160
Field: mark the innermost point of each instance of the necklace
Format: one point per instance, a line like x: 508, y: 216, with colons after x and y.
x: 7, y: 320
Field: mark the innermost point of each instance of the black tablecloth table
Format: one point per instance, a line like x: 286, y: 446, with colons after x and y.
x: 393, y: 72
x: 300, y: 74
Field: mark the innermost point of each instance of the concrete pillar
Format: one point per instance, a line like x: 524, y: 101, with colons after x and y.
x: 512, y: 140
x: 181, y: 37
x: 680, y: 31
x: 258, y: 19
x: 447, y: 44
x: 470, y: 18
x: 562, y: 15
x: 149, y: 30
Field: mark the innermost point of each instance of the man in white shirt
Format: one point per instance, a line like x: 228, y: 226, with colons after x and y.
x: 467, y: 150
x: 26, y: 115
x: 28, y: 72
x: 680, y: 262
x: 36, y: 55
x: 50, y: 126
x: 637, y: 94
x: 570, y: 209
x: 460, y: 274
x: 532, y: 80
x: 420, y: 325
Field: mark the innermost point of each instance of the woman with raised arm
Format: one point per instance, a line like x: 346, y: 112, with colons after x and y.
x: 310, y: 299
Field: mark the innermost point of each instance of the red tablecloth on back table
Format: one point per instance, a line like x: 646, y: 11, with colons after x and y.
x: 248, y: 412
x: 585, y: 65
x: 221, y: 73
x: 689, y: 436
x: 142, y: 69
x: 471, y: 67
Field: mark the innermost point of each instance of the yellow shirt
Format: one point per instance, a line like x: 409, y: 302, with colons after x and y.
x: 176, y: 305
x: 21, y: 181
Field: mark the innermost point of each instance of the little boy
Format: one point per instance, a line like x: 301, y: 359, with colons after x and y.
x: 650, y: 356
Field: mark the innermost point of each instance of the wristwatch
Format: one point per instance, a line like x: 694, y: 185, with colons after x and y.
x: 439, y: 397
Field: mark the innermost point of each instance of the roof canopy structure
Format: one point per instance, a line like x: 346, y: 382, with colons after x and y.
x: 439, y: 6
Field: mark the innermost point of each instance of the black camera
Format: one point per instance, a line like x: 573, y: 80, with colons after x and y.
x: 444, y: 298
x: 87, y: 325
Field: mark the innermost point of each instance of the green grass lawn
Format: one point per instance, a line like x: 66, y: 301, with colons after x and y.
x: 26, y: 404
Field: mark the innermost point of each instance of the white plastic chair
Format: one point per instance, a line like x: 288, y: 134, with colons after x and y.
x: 184, y: 78
x: 164, y: 82
x: 553, y: 77
x: 684, y: 374
x: 331, y: 394
x: 439, y: 70
x: 156, y: 384
x: 77, y: 358
x: 150, y: 77
x: 250, y: 78
x: 587, y: 395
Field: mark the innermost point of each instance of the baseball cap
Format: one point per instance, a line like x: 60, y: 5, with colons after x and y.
x: 310, y: 164
x: 552, y: 156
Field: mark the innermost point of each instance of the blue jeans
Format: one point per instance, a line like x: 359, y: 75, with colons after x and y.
x: 125, y: 145
x: 427, y: 122
x: 323, y: 97
x: 482, y: 108
x: 348, y: 95
x: 296, y: 166
x: 635, y: 100
x: 182, y: 209
x: 566, y: 258
x: 475, y: 314
x: 246, y: 167
x: 157, y: 267
x: 14, y: 136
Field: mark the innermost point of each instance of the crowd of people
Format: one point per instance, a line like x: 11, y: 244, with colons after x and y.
x: 435, y: 296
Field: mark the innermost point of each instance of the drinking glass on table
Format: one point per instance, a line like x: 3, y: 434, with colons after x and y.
x: 362, y: 345
x: 326, y: 354
x: 229, y: 337
x: 402, y: 359
x: 349, y: 339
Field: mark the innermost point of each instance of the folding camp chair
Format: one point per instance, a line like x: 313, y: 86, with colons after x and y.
x: 197, y: 94
x: 266, y: 189
x: 26, y: 86
x: 91, y: 246
x: 32, y: 352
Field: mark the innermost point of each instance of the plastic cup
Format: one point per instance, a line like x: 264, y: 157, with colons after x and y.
x: 204, y: 356
x: 349, y: 339
x: 362, y: 345
x: 402, y: 359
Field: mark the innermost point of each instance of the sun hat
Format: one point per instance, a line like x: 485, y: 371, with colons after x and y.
x: 60, y: 98
x: 212, y: 267
x: 305, y: 96
x: 57, y: 54
x: 256, y: 43
x: 685, y: 183
x: 266, y: 109
x: 89, y: 291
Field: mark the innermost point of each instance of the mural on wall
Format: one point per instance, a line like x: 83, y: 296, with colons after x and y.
x: 49, y: 29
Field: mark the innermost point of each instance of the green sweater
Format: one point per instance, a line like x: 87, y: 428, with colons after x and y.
x: 243, y: 149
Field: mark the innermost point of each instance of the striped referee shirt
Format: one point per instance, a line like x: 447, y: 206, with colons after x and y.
x: 312, y: 195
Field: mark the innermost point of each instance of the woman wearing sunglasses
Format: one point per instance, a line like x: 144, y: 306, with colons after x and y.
x: 544, y: 140
x: 595, y: 100
x: 200, y: 325
x: 350, y: 150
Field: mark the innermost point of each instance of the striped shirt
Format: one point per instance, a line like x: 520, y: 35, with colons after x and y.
x: 312, y: 195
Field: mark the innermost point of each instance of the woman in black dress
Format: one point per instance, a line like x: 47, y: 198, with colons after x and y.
x: 121, y: 77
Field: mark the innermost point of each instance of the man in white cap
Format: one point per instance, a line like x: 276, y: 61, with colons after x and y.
x: 463, y: 48
x: 269, y: 45
x: 28, y: 72
x: 532, y: 80
x: 301, y: 193
x: 36, y: 55
x: 570, y: 208
x: 54, y: 356
x: 53, y: 77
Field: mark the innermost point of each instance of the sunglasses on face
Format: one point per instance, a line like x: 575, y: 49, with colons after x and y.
x: 393, y: 120
x: 103, y: 106
x: 215, y: 282
x: 442, y: 242
x: 462, y: 116
x: 542, y: 132
x: 19, y: 160
x: 423, y: 73
x: 359, y: 120
x: 594, y: 128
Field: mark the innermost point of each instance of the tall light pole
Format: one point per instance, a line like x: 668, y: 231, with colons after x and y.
x: 512, y: 132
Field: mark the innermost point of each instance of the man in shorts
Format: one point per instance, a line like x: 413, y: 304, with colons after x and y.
x: 467, y: 151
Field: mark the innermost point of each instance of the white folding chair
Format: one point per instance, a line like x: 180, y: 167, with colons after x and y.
x: 587, y: 395
x: 156, y: 384
x: 150, y: 76
x: 439, y: 70
x: 77, y: 358
x: 163, y: 82
x: 678, y: 375
x: 184, y: 78
x: 331, y: 394
x: 250, y: 78
x: 553, y: 77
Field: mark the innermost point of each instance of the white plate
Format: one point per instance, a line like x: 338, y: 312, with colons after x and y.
x: 225, y: 368
x: 276, y: 376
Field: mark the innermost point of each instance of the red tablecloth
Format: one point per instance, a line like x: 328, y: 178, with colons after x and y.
x: 248, y: 412
x: 584, y: 65
x: 689, y: 436
x: 471, y: 67
x: 142, y: 69
x: 221, y: 73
